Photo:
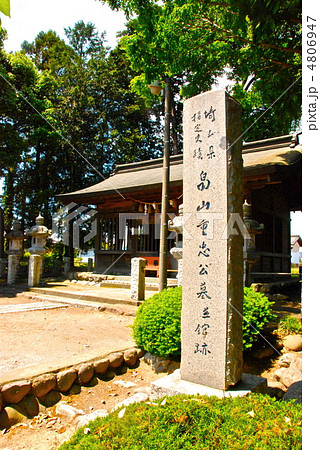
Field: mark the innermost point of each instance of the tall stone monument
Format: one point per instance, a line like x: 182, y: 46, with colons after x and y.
x: 211, y: 324
x: 212, y: 289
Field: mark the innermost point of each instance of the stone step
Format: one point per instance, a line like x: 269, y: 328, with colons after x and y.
x: 114, y: 307
x: 94, y: 297
x: 151, y: 286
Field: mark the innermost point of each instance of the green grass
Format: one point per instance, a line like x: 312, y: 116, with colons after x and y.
x: 289, y: 325
x: 251, y: 423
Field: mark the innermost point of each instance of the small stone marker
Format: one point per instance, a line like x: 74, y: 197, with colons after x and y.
x: 211, y: 327
x: 138, y: 282
x: 90, y: 265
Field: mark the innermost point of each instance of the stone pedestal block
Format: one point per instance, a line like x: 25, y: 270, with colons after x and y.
x: 138, y: 279
x: 177, y: 253
x: 173, y: 384
x: 35, y: 270
x: 56, y: 267
x: 66, y: 264
x: 13, y: 268
x: 3, y: 267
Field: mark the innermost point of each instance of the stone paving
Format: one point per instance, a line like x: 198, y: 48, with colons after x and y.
x: 5, y: 309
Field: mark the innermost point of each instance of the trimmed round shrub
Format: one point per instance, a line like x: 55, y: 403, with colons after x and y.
x: 255, y: 422
x: 257, y: 312
x: 157, y: 325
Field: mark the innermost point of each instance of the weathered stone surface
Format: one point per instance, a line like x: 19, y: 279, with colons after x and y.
x: 65, y: 379
x: 291, y: 374
x: 101, y: 366
x: 122, y: 370
x: 263, y: 352
x: 159, y: 364
x: 110, y: 374
x: 136, y: 398
x: 116, y: 359
x: 211, y: 324
x: 68, y: 411
x: 50, y: 399
x: 275, y: 392
x: 143, y: 389
x: 35, y: 269
x: 177, y: 253
x: 43, y: 384
x: 29, y: 405
x: 75, y: 389
x: 10, y: 416
x: 286, y: 359
x: 130, y: 357
x: 140, y: 352
x: 293, y: 342
x: 15, y: 392
x: 13, y: 268
x: 124, y: 384
x: 3, y: 267
x: 174, y: 385
x: 137, y: 289
x: 81, y: 421
x: 294, y: 392
x: 276, y: 385
x: 85, y: 373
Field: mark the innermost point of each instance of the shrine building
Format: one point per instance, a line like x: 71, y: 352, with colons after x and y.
x: 272, y: 175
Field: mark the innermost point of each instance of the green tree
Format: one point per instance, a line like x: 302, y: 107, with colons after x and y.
x: 18, y: 78
x: 255, y: 44
x: 71, y: 115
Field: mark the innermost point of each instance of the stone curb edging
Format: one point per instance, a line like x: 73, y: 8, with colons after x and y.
x: 20, y: 398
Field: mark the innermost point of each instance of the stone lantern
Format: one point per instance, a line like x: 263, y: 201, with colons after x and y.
x: 39, y: 234
x: 176, y: 225
x: 15, y: 238
x: 250, y: 257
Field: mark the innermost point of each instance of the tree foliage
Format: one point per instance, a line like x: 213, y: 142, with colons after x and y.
x: 69, y: 116
x: 5, y: 7
x: 255, y: 44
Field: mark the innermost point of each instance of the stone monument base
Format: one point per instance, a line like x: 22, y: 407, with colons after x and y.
x: 174, y: 385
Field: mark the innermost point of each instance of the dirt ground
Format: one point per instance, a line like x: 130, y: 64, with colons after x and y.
x: 39, y: 336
